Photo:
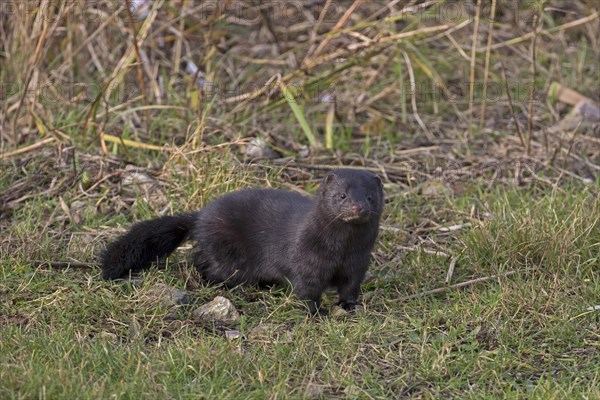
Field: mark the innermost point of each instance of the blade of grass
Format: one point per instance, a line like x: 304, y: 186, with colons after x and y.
x: 329, y: 126
x: 298, y: 113
x: 133, y: 143
x: 486, y: 69
x: 472, y: 65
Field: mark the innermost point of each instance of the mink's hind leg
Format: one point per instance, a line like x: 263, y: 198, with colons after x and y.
x: 217, y: 269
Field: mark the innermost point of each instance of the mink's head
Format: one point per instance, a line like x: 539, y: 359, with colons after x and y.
x: 353, y: 196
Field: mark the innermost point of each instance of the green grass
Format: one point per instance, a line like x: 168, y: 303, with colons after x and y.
x: 68, y: 334
x: 65, y: 333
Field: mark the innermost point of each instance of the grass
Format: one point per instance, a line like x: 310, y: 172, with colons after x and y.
x: 75, y: 172
x: 68, y: 334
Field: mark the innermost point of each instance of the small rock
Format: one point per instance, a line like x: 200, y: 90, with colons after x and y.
x: 168, y: 295
x: 304, y: 152
x: 269, y: 332
x: 337, y: 311
x: 588, y: 110
x: 133, y: 177
x: 585, y: 116
x: 219, y: 309
x: 135, y: 330
x: 352, y: 391
x: 258, y: 148
x: 106, y: 336
x: 435, y: 188
x: 232, y: 334
x: 77, y: 209
x: 315, y: 391
x: 135, y: 181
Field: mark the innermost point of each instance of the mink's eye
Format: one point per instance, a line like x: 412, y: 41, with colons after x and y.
x: 343, y: 196
x: 369, y: 198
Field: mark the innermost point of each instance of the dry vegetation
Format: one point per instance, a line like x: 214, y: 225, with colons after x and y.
x: 112, y: 111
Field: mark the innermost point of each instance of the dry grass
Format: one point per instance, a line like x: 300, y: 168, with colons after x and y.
x: 93, y: 72
x: 110, y: 114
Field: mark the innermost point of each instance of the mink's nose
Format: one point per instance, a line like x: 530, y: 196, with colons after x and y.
x: 357, y: 208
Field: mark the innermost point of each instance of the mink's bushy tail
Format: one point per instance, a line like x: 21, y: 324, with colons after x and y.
x: 144, y: 243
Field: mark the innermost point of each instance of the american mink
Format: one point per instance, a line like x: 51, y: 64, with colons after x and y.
x: 268, y: 236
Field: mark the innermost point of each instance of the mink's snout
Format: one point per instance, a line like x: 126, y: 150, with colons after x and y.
x: 356, y: 212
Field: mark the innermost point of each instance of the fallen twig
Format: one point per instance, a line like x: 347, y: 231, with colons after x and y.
x: 27, y: 148
x: 436, y: 253
x: 451, y: 270
x: 453, y: 228
x: 458, y: 285
x: 65, y: 264
x: 530, y: 35
x: 413, y: 90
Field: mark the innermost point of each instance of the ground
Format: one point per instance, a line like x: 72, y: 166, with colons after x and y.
x: 485, y: 279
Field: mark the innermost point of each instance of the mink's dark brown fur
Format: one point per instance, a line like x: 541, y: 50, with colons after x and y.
x: 266, y: 236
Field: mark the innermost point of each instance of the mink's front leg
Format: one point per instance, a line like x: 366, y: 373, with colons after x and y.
x: 311, y: 294
x: 349, y: 281
x: 349, y: 292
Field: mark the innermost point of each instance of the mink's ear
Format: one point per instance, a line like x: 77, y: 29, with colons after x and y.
x: 378, y: 180
x: 326, y: 182
x: 330, y: 177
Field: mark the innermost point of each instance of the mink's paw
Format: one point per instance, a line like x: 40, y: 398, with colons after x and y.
x: 349, y: 306
x: 314, y: 308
